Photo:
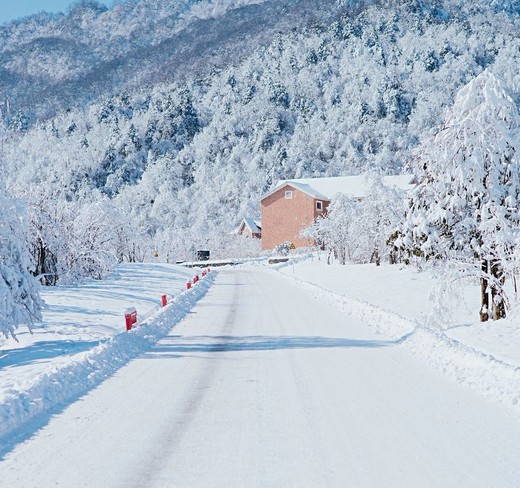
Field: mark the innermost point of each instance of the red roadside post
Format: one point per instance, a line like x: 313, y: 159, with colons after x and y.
x: 130, y: 318
x: 164, y: 300
x: 188, y: 284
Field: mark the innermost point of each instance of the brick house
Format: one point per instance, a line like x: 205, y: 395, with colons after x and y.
x: 250, y: 227
x: 288, y: 209
x: 293, y: 205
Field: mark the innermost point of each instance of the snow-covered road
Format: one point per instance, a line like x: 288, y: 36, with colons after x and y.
x: 265, y: 386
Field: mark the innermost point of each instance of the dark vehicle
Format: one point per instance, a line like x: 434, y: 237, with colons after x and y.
x: 202, y: 255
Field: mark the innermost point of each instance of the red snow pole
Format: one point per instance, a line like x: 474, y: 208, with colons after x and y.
x: 188, y: 284
x: 130, y: 318
x: 164, y: 300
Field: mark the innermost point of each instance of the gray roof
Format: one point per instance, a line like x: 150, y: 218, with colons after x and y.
x: 253, y: 224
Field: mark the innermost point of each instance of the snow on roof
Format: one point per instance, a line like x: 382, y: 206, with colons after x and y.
x: 308, y: 188
x: 253, y: 224
x: 353, y: 186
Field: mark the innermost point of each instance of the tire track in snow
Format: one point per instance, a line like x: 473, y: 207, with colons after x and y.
x: 174, y: 432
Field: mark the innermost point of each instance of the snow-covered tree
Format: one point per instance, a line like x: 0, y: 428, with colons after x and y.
x: 90, y: 248
x: 20, y: 302
x: 71, y: 240
x: 335, y: 229
x: 358, y: 230
x: 467, y: 205
x: 379, y: 216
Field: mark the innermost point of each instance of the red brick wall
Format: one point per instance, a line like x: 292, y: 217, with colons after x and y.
x: 283, y: 219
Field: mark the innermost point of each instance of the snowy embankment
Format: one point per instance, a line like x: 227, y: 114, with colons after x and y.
x: 395, y: 301
x: 39, y: 375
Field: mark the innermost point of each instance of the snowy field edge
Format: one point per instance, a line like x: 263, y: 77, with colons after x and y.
x: 476, y: 370
x: 86, y: 370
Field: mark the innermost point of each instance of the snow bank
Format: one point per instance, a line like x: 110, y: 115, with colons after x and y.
x: 477, y: 370
x: 81, y: 372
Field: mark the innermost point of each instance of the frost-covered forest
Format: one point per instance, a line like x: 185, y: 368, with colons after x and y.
x: 155, y: 126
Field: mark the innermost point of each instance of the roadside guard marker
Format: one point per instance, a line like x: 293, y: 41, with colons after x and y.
x: 130, y: 318
x: 131, y: 313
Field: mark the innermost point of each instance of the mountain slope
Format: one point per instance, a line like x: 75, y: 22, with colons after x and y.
x: 55, y: 62
x: 346, y: 90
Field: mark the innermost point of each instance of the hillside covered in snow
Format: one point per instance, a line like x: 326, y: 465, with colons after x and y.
x: 160, y: 124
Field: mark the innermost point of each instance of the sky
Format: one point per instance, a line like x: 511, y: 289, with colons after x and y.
x: 12, y: 9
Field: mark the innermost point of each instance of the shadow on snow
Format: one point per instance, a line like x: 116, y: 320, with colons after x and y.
x: 180, y: 344
x: 43, y: 350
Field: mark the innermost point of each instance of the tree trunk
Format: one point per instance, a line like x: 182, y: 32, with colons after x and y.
x: 342, y: 256
x: 45, y: 264
x: 484, y: 294
x: 497, y: 291
x: 376, y: 257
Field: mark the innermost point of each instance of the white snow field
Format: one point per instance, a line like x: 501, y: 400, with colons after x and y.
x: 264, y: 385
x: 83, y: 339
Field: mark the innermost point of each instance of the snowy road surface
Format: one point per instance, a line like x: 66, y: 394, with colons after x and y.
x: 264, y: 386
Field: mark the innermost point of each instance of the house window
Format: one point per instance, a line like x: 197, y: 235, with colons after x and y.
x: 319, y: 205
x: 288, y: 194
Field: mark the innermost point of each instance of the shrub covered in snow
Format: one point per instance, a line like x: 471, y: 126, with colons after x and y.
x: 283, y: 248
